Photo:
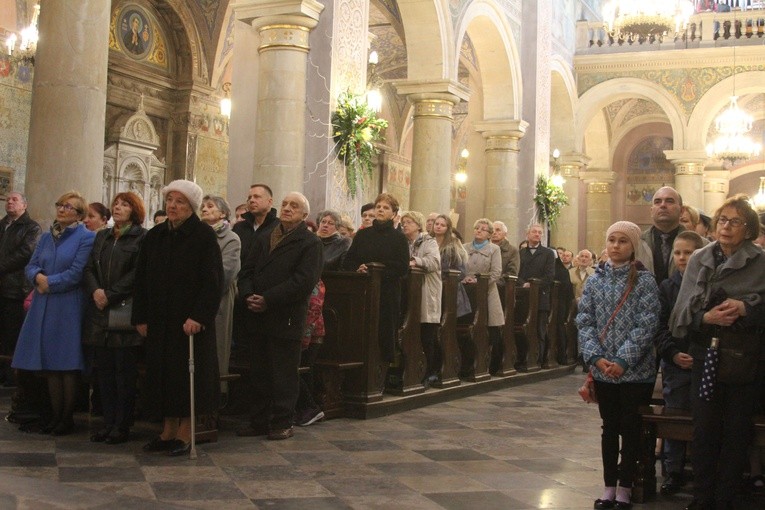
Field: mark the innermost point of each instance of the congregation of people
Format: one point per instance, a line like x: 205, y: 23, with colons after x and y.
x: 98, y: 296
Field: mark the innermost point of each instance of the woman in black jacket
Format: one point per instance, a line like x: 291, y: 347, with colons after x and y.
x: 109, y: 278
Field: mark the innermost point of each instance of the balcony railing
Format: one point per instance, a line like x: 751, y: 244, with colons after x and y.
x: 705, y: 30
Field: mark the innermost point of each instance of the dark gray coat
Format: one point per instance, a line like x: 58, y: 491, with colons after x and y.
x: 17, y: 243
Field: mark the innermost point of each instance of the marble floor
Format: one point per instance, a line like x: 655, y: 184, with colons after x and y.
x: 525, y: 447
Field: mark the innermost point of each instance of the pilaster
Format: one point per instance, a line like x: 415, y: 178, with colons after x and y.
x: 566, y: 231
x: 716, y: 189
x: 598, y: 197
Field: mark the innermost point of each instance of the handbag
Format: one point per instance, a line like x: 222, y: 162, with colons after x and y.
x: 118, y: 318
x: 587, y: 390
x: 739, y: 356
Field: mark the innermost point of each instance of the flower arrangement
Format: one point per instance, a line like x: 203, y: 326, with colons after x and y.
x: 356, y: 129
x: 549, y: 199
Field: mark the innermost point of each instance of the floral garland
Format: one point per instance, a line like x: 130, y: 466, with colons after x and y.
x: 356, y: 129
x: 549, y: 200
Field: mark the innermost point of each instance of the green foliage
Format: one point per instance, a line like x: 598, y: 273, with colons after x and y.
x: 356, y: 129
x: 549, y: 199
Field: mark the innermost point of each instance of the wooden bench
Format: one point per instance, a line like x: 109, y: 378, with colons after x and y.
x: 473, y: 333
x: 447, y: 333
x: 507, y: 292
x: 412, y: 358
x: 525, y: 323
x: 660, y: 422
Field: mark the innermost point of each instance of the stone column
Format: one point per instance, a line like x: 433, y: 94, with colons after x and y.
x: 431, y: 142
x: 283, y: 26
x: 716, y: 189
x: 689, y: 175
x: 600, y: 185
x: 566, y: 231
x: 502, y: 148
x: 66, y: 131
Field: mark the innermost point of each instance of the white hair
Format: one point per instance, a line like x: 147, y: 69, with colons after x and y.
x: 303, y: 200
x: 502, y: 226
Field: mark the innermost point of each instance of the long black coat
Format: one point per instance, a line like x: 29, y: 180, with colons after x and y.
x: 244, y: 229
x: 111, y: 267
x: 179, y: 275
x: 17, y: 243
x: 540, y: 264
x: 285, y: 277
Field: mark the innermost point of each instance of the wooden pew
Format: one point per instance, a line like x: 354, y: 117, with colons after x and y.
x: 525, y: 324
x: 553, y: 336
x: 572, y: 348
x: 348, y: 366
x: 408, y: 340
x: 508, y: 330
x: 473, y: 333
x: 447, y: 334
x: 657, y: 421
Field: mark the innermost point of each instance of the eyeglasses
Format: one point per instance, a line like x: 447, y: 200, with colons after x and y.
x: 66, y: 207
x: 479, y: 229
x: 733, y: 222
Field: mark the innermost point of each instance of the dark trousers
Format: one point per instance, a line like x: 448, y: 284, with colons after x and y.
x: 275, y: 383
x: 618, y: 405
x: 305, y: 399
x: 676, y: 389
x: 722, y: 431
x: 497, y: 349
x: 430, y: 347
x: 117, y: 376
x: 11, y: 319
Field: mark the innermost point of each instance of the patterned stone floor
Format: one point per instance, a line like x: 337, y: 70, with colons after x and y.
x: 531, y: 446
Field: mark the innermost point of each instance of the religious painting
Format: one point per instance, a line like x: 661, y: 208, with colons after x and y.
x: 6, y: 181
x: 135, y: 33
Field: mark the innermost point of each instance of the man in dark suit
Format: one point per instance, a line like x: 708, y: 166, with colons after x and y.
x: 655, y: 251
x: 536, y: 262
x: 275, y: 283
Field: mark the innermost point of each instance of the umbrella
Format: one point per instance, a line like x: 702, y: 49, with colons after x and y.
x: 709, y: 374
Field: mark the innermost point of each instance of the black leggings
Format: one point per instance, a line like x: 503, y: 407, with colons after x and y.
x: 618, y: 405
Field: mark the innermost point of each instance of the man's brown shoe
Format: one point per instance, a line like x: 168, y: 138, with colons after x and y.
x: 279, y: 434
x: 252, y: 431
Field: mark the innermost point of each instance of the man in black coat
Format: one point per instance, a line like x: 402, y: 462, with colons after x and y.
x: 275, y: 283
x: 536, y: 262
x: 18, y: 239
x: 257, y: 220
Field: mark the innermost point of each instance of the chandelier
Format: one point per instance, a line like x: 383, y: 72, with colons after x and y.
x: 632, y: 19
x: 758, y: 201
x: 733, y: 143
x: 25, y: 53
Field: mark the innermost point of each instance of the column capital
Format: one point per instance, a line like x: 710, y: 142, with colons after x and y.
x: 510, y: 128
x: 572, y: 163
x: 687, y: 162
x: 422, y: 90
x: 263, y: 12
x: 598, y: 181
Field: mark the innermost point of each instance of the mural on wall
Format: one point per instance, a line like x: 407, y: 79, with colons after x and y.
x: 687, y: 85
x: 15, y: 111
x: 398, y: 177
x: 135, y: 33
x: 211, y: 165
x: 648, y: 170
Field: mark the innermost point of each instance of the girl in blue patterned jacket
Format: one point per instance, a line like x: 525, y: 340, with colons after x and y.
x: 618, y: 314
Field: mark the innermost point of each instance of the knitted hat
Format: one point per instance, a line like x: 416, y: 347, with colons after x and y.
x: 629, y: 229
x: 188, y: 189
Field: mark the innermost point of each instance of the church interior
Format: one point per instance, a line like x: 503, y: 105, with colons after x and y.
x: 482, y: 100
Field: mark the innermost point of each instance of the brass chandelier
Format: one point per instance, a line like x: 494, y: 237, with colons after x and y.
x: 641, y: 19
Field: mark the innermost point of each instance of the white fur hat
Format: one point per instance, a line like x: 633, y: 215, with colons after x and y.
x: 188, y: 189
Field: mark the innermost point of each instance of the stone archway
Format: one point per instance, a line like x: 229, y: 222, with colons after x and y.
x: 429, y: 39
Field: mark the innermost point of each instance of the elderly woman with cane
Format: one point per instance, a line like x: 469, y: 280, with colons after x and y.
x: 178, y: 288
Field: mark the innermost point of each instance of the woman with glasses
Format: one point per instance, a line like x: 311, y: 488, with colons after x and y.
x: 335, y: 244
x: 722, y: 293
x: 485, y: 257
x: 50, y: 339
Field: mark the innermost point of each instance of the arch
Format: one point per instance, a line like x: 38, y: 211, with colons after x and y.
x: 500, y: 71
x: 563, y: 103
x: 428, y: 30
x: 592, y: 101
x: 198, y: 69
x: 716, y: 98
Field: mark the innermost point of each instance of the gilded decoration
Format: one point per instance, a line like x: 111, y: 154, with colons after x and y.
x: 209, y: 10
x: 599, y: 187
x: 283, y: 36
x: 502, y: 144
x: 687, y: 85
x: 433, y: 108
x: 135, y: 32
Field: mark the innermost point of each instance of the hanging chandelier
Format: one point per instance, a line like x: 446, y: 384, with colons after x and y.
x: 758, y: 201
x: 732, y: 143
x: 633, y: 19
x: 25, y: 53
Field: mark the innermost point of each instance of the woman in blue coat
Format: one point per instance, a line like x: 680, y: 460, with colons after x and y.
x: 50, y: 337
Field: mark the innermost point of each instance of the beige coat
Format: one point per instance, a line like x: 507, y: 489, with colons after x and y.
x: 577, y: 281
x: 230, y: 246
x: 427, y: 256
x: 488, y: 260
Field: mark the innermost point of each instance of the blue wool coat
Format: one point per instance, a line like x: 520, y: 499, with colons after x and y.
x: 51, y: 336
x: 629, y: 338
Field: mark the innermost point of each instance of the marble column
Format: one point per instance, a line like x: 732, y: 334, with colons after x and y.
x: 689, y: 175
x: 66, y: 131
x: 502, y: 148
x: 716, y: 188
x: 431, y: 142
x: 279, y: 138
x: 566, y: 231
x: 600, y: 185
